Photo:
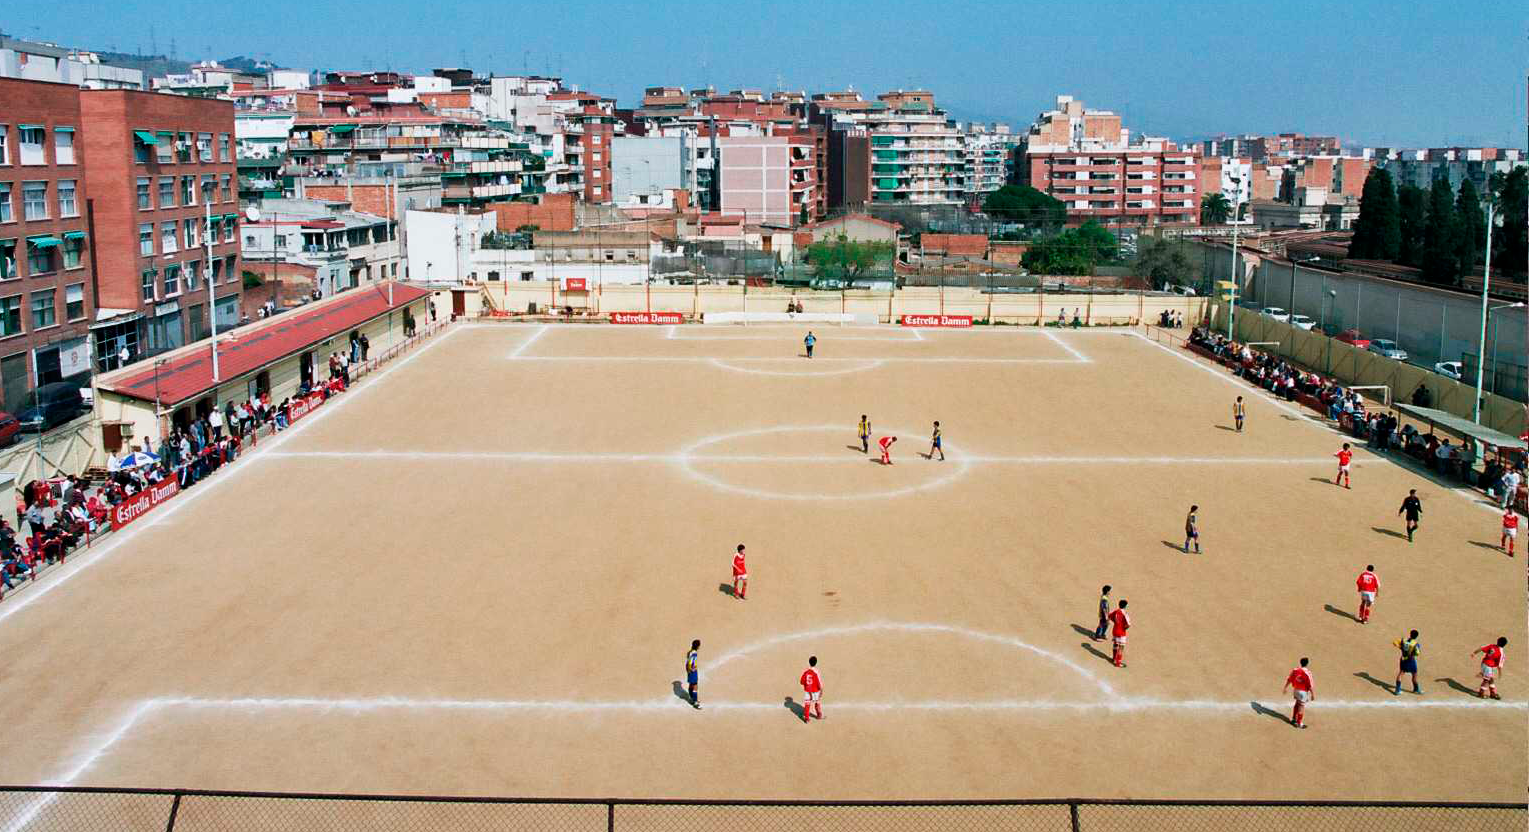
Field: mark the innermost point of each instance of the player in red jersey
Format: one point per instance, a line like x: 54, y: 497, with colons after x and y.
x: 886, y: 449
x: 1344, y: 456
x: 1509, y: 530
x: 740, y: 576
x: 1491, y: 667
x: 1300, y: 679
x: 1369, y: 587
x: 812, y: 690
x: 1120, y: 621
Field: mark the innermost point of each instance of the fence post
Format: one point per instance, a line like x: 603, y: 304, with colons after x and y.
x: 610, y: 816
x: 175, y: 806
x: 1072, y: 811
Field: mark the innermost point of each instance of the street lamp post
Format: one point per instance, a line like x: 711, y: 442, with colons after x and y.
x: 1231, y: 315
x: 159, y: 423
x: 212, y: 292
x: 1327, y: 363
x: 1486, y: 283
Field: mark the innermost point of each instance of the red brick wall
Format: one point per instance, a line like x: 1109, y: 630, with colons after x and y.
x: 555, y: 213
x: 110, y: 117
x: 369, y: 199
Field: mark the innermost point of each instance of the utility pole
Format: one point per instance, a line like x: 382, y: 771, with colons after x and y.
x: 212, y: 301
x: 1486, y: 284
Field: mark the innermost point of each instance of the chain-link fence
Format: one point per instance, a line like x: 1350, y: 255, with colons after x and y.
x: 128, y: 810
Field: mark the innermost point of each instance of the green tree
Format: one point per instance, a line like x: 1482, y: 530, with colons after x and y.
x: 1377, y: 232
x: 1075, y: 251
x: 847, y: 259
x: 1287, y: 186
x: 1215, y: 209
x: 1473, y: 228
x: 1510, y: 239
x: 1412, y: 206
x: 1165, y: 263
x: 1024, y: 204
x: 1101, y: 245
x: 802, y: 218
x: 1441, y: 237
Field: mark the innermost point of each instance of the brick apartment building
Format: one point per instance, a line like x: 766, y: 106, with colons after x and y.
x: 47, y: 270
x: 158, y: 164
x: 1090, y: 162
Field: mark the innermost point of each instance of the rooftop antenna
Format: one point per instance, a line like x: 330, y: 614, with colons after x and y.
x: 525, y: 62
x: 153, y: 41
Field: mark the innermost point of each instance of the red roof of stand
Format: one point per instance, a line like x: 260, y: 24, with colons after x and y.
x: 189, y: 375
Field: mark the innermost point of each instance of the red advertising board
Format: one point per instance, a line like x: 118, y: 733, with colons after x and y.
x: 647, y: 318
x: 576, y: 284
x: 298, y: 408
x: 139, y: 504
x: 958, y: 321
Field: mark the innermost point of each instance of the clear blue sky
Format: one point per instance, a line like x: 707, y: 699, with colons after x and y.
x: 1383, y: 73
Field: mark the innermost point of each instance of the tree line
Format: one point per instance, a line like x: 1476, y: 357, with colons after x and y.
x: 1442, y: 231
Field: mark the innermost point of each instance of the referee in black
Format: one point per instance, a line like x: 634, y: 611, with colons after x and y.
x: 1413, y: 509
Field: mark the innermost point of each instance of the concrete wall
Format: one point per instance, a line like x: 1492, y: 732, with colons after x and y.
x: 644, y: 165
x: 696, y: 301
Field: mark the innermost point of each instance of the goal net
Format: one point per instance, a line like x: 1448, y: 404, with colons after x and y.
x: 1374, y: 392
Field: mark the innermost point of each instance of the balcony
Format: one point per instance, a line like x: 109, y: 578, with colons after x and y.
x: 506, y: 166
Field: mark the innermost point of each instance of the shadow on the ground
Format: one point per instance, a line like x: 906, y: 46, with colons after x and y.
x: 1096, y: 651
x: 727, y: 589
x: 1389, y: 532
x: 1083, y: 631
x: 794, y: 707
x: 681, y: 692
x: 1270, y: 712
x: 1485, y: 545
x: 1454, y: 685
x: 1226, y: 427
x: 1388, y: 687
x: 1341, y: 613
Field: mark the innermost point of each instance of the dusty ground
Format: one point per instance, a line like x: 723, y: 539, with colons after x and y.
x: 479, y: 574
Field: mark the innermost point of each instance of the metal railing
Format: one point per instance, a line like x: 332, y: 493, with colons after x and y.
x: 86, y: 809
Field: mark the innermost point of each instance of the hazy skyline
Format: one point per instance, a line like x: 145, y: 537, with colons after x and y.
x: 1370, y: 72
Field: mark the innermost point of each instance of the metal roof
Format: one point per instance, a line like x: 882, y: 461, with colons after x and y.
x: 1461, y: 426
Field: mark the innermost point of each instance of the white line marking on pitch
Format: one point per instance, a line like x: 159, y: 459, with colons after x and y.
x: 529, y: 341
x: 805, y: 459
x: 79, y: 563
x: 1066, y: 346
x: 861, y: 366
x: 677, y: 359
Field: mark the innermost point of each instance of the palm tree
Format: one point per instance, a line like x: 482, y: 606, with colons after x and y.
x: 1214, y: 209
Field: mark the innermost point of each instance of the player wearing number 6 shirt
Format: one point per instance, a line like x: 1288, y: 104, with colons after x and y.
x: 1509, y: 530
x: 812, y: 691
x: 740, y: 576
x: 1369, y: 586
x: 1300, y: 680
x: 1345, y: 457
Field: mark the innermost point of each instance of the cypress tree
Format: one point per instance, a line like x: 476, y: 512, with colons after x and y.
x: 1441, y: 237
x: 1412, y: 205
x: 1473, y: 228
x: 1377, y: 232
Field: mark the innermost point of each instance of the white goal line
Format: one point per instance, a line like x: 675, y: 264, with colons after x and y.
x: 809, y: 459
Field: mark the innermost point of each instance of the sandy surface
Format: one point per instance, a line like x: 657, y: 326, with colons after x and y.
x: 479, y: 574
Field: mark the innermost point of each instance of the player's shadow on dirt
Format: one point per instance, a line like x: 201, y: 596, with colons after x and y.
x: 1341, y: 613
x: 1323, y: 480
x: 1083, y: 631
x: 680, y: 692
x: 1226, y: 427
x: 857, y: 449
x: 1096, y: 651
x: 1266, y: 711
x: 1388, y: 532
x: 794, y: 707
x: 727, y: 589
x: 1388, y: 687
x: 1177, y: 547
x: 1454, y: 685
x: 1485, y: 545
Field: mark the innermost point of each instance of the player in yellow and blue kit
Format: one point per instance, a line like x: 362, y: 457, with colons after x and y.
x: 692, y: 674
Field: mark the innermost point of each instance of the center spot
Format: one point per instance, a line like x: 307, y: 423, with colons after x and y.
x: 818, y: 462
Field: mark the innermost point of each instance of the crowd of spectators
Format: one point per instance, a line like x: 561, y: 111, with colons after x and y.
x: 1380, y: 429
x: 53, y: 518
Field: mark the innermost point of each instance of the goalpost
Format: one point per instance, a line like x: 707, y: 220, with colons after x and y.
x: 1374, y: 392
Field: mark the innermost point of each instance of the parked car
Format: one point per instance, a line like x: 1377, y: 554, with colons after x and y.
x: 1303, y: 322
x: 1276, y: 313
x: 54, y: 404
x: 9, y: 430
x: 1450, y: 369
x: 1352, y: 336
x: 1388, y: 348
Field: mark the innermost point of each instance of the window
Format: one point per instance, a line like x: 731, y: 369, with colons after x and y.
x: 73, y: 246
x: 5, y: 145
x: 597, y: 155
x: 225, y: 187
x: 146, y: 239
x: 193, y: 269
x: 230, y: 230
x: 167, y: 192
x: 148, y: 285
x: 63, y: 145
x: 74, y: 301
x: 34, y: 196
x: 68, y: 206
x: 165, y: 147
x: 32, y: 138
x: 188, y: 190
x: 168, y: 242
x: 217, y: 271
x: 5, y: 202
x: 42, y: 309
x: 172, y: 279
x: 597, y: 173
x: 597, y: 190
x: 140, y: 148
x: 204, y: 147
x: 183, y: 148
x: 281, y: 241
x: 223, y: 145
x: 228, y: 269
x: 191, y: 227
x: 10, y: 316
x: 596, y: 138
x: 39, y: 259
x: 145, y: 198
x: 8, y: 259
x: 249, y: 241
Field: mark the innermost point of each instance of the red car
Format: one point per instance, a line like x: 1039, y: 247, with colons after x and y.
x: 1351, y: 336
x: 9, y: 427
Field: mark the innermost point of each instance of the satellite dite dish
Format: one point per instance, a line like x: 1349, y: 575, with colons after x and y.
x: 252, y: 214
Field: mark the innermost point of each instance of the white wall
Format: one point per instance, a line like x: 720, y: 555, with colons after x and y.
x: 644, y: 165
x: 441, y: 246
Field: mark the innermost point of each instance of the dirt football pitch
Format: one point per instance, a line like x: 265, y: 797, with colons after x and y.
x: 478, y: 573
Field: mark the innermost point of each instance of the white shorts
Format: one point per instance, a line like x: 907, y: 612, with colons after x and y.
x: 1120, y: 640
x: 1367, y: 597
x: 1488, y: 672
x: 742, y: 577
x: 1343, y: 469
x: 814, y: 696
x: 1510, y: 533
x: 1303, y: 696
